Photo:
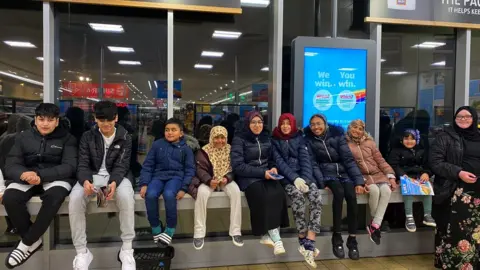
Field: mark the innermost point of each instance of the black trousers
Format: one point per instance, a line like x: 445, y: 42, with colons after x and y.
x: 268, y: 206
x: 343, y: 190
x: 441, y: 213
x: 15, y: 202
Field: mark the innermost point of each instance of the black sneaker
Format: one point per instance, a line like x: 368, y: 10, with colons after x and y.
x: 198, y: 243
x: 337, y: 246
x: 237, y: 240
x: 11, y: 231
x: 429, y: 221
x: 410, y: 224
x: 352, y: 245
x: 385, y: 226
x: 375, y: 234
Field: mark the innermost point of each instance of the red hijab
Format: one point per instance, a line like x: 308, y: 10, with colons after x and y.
x: 277, y: 132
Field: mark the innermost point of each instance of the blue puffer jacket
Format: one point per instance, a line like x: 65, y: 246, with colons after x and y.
x: 251, y: 156
x: 169, y: 161
x: 331, y: 157
x: 292, y: 159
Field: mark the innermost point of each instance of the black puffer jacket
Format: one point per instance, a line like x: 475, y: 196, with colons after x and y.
x: 331, y: 157
x: 410, y: 162
x: 52, y: 157
x: 92, y: 150
x: 251, y: 156
x: 445, y: 159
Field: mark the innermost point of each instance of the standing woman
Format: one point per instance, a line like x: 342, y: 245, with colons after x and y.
x: 293, y: 162
x: 214, y: 172
x: 379, y: 176
x: 335, y: 168
x: 455, y: 160
x: 253, y: 164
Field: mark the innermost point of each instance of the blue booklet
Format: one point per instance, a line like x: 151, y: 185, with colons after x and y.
x: 412, y: 186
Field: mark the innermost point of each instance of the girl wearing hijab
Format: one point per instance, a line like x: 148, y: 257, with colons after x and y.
x: 455, y: 160
x: 293, y: 162
x: 214, y: 172
x: 253, y: 166
x: 335, y: 168
x: 409, y: 159
x: 379, y: 176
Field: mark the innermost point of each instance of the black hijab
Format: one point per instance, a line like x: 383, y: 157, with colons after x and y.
x: 471, y: 133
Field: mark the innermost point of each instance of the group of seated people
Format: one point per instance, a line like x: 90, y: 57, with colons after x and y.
x: 271, y: 169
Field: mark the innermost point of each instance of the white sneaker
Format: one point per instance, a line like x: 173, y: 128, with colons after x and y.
x: 82, y: 261
x: 310, y: 258
x: 278, y: 248
x: 127, y: 259
x: 266, y: 240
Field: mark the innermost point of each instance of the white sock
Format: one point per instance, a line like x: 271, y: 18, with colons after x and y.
x: 82, y: 251
x: 35, y: 245
x: 127, y: 246
x: 23, y: 247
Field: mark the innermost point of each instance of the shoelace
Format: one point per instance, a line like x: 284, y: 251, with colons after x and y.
x: 79, y: 261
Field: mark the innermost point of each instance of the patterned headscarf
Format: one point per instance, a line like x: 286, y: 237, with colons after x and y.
x: 219, y: 157
x: 357, y: 140
x: 415, y: 133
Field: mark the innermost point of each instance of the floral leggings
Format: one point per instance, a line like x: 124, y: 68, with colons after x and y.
x: 299, y: 204
x: 460, y: 245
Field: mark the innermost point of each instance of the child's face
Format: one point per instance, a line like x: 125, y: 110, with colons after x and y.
x: 173, y: 133
x: 286, y: 128
x: 318, y: 126
x: 409, y: 142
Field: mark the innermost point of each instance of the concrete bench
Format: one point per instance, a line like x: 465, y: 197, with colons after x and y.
x: 216, y: 201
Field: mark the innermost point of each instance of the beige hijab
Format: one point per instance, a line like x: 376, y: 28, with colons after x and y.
x: 359, y: 140
x: 219, y: 157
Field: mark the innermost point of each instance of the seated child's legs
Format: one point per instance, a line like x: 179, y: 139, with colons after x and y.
x: 154, y: 190
x: 427, y: 204
x: 170, y: 196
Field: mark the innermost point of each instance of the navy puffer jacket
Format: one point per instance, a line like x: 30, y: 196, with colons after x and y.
x: 251, y: 156
x: 169, y: 161
x: 292, y: 159
x: 331, y: 157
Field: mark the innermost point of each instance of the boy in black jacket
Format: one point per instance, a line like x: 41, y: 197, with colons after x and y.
x: 104, y: 162
x: 42, y: 162
x: 409, y: 159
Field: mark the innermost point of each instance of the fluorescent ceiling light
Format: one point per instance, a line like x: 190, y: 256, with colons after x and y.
x: 130, y: 63
x: 156, y: 86
x: 212, y: 54
x: 150, y: 85
x: 439, y: 64
x: 203, y: 66
x: 222, y: 100
x: 19, y: 44
x: 265, y: 69
x: 41, y: 59
x: 245, y: 93
x: 383, y: 60
x: 347, y: 69
x: 121, y: 49
x: 429, y: 45
x: 396, y: 73
x: 255, y: 3
x: 310, y: 54
x: 101, y: 27
x: 226, y: 34
x: 21, y: 78
x: 93, y: 99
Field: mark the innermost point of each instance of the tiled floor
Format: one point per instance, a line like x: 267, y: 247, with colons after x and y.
x: 417, y: 262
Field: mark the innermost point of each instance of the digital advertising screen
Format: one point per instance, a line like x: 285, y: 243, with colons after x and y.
x: 335, y: 83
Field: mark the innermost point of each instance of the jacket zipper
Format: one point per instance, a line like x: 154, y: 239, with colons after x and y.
x: 366, y: 165
x: 42, y: 148
x: 260, y: 152
x: 330, y: 157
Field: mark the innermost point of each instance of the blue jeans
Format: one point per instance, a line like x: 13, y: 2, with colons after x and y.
x: 169, y: 189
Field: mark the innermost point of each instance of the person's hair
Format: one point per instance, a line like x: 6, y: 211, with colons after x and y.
x: 105, y: 110
x: 123, y: 112
x: 408, y: 135
x: 47, y: 110
x: 175, y: 121
x: 317, y: 115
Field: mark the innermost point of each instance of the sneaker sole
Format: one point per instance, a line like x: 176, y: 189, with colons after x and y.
x: 279, y: 252
x: 370, y: 235
x: 237, y: 244
x: 302, y: 250
x: 268, y: 243
x: 198, y: 248
x: 411, y: 230
x: 430, y: 224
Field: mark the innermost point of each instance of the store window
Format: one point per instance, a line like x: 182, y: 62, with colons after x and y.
x: 21, y: 87
x: 474, y: 90
x: 417, y: 87
x: 121, y: 58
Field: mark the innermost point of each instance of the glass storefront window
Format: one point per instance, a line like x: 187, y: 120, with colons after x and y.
x: 474, y: 90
